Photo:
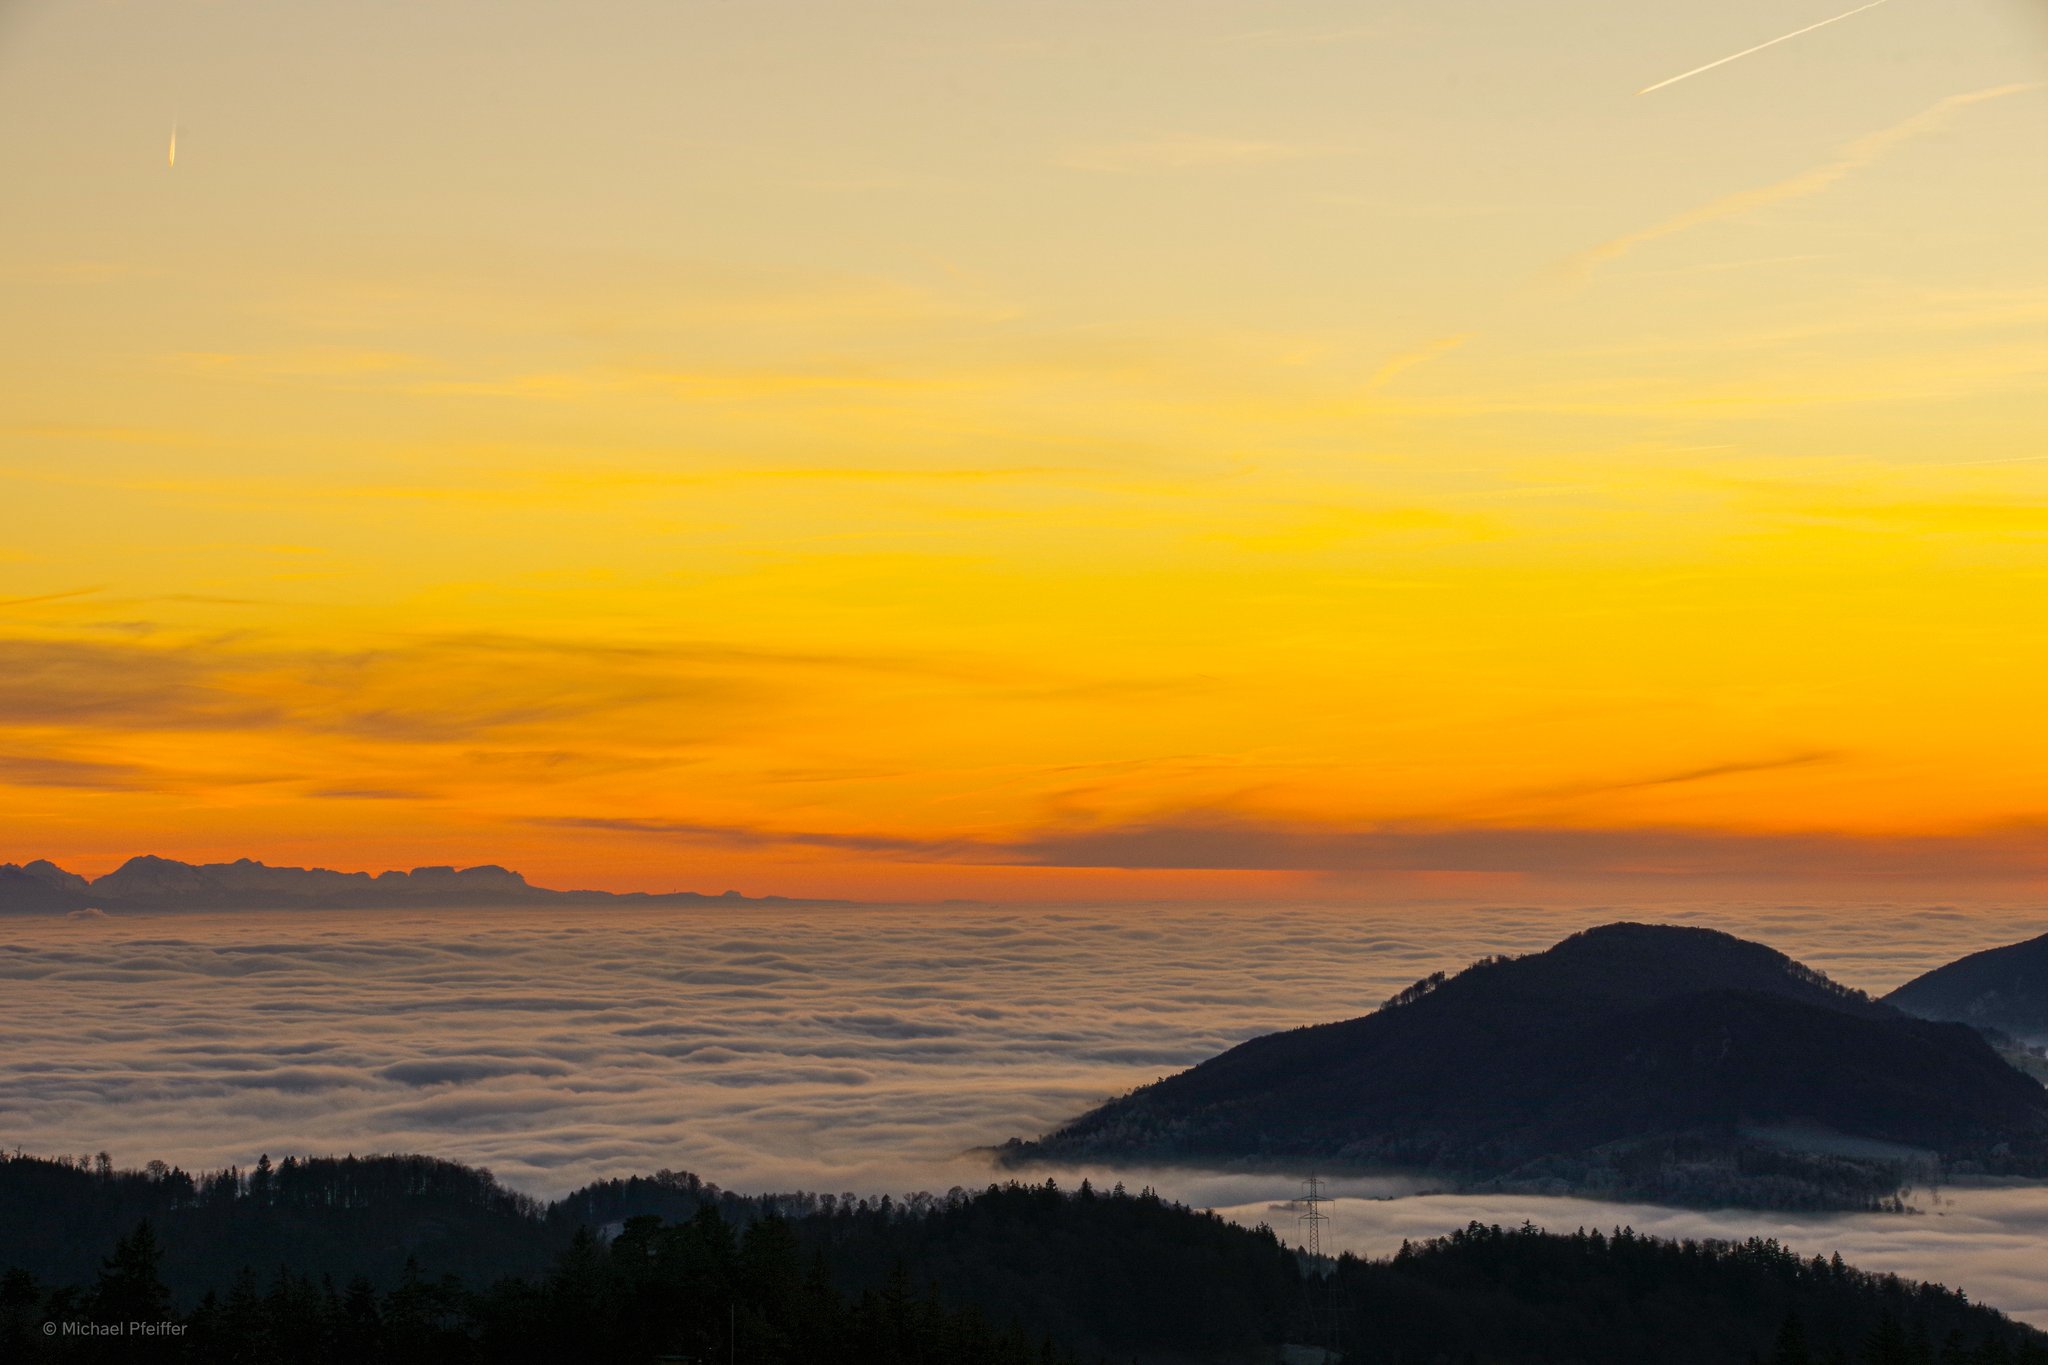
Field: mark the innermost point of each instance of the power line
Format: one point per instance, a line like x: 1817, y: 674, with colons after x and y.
x: 1320, y: 1285
x: 1312, y: 1219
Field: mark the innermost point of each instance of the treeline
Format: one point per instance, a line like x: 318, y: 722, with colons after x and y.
x: 699, y: 1291
x: 1487, y: 1294
x: 1115, y: 1274
x: 333, y: 1216
x: 402, y: 1259
x: 1695, y: 1170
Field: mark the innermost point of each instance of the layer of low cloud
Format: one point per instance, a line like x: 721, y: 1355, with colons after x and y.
x: 788, y: 1047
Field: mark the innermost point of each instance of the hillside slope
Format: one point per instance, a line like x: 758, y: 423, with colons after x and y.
x: 1674, y: 1063
x: 2000, y: 988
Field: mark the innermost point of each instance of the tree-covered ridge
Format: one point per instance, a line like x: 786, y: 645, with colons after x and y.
x: 356, y: 1260
x: 696, y: 1291
x: 1530, y: 1297
x: 336, y: 1216
x: 1679, y: 1065
x: 2005, y: 989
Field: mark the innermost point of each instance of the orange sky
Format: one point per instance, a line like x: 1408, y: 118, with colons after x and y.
x: 1214, y: 449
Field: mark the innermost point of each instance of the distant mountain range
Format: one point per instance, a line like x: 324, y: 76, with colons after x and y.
x: 2004, y: 989
x: 152, y: 883
x: 1650, y: 1061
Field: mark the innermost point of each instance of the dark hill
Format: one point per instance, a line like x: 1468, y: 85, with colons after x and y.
x: 2000, y: 988
x: 339, y: 1217
x: 1660, y: 1062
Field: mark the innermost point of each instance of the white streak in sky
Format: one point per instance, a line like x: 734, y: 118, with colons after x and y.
x: 1759, y: 47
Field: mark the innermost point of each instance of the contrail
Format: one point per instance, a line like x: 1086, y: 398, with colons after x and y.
x: 1759, y: 47
x: 172, y: 160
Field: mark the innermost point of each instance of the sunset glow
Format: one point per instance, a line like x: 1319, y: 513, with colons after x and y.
x: 1044, y: 451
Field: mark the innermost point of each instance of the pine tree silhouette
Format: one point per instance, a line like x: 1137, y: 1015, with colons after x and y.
x: 129, y: 1287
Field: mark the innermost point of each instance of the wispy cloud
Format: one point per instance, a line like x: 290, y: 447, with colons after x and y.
x: 369, y: 794
x: 49, y: 597
x: 941, y: 850
x: 42, y: 770
x: 1224, y: 840
x: 408, y: 689
x: 1687, y: 776
x: 302, y: 363
x: 1857, y: 156
x: 1304, y: 36
x: 119, y: 685
x: 1408, y: 360
x: 1233, y: 842
x: 1191, y: 153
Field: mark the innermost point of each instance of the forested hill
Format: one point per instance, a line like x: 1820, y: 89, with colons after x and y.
x: 406, y: 1259
x: 2000, y: 988
x: 1674, y: 1064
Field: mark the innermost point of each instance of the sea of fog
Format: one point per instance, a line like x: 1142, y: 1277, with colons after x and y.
x: 841, y: 1049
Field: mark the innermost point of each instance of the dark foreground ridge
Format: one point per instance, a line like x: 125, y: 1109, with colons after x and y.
x: 409, y: 1259
x: 153, y: 883
x: 1673, y: 1064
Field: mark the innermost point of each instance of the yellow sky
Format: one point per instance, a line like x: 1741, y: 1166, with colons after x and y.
x: 1048, y: 449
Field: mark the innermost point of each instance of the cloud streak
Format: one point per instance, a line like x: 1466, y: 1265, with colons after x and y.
x: 1190, y: 153
x: 746, y: 837
x: 401, y: 690
x: 1223, y: 840
x: 1421, y: 355
x: 43, y: 770
x: 1229, y: 842
x: 1685, y: 776
x: 48, y: 597
x: 1858, y: 156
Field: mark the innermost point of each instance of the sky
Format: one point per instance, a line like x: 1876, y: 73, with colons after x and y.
x: 1035, y: 451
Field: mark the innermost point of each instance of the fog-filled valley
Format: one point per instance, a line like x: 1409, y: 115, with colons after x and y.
x: 837, y: 1049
